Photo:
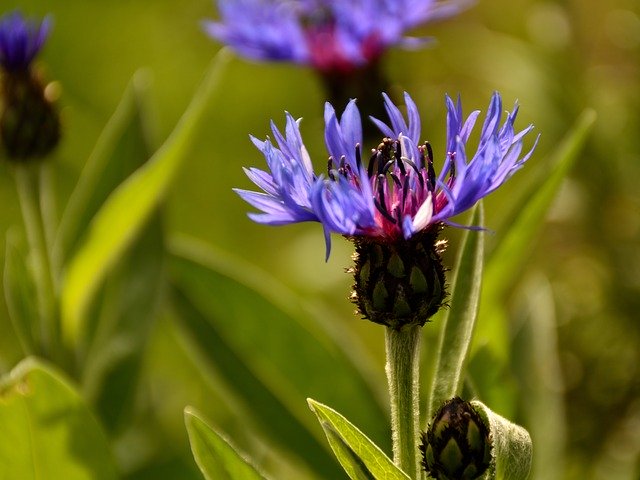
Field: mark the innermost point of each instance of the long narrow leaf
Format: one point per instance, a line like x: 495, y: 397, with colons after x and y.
x: 121, y: 313
x: 123, y: 146
x: 125, y: 313
x: 128, y: 208
x: 459, y: 324
x: 538, y: 364
x: 359, y: 456
x: 216, y: 458
x: 507, y: 260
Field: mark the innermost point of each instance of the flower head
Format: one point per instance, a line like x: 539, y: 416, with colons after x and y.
x: 397, y: 194
x: 394, y: 206
x: 20, y: 40
x: 331, y: 35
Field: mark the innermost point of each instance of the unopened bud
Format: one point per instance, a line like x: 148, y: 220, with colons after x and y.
x: 29, y: 122
x: 457, y: 445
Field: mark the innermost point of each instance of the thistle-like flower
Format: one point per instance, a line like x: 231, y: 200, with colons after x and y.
x: 327, y: 34
x: 29, y: 123
x: 342, y: 41
x: 392, y: 207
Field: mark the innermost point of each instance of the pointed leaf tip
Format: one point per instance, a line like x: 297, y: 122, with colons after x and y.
x: 359, y: 456
x: 215, y: 456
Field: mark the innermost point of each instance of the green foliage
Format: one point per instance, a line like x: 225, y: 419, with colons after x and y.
x: 19, y: 292
x: 505, y: 263
x: 122, y: 319
x: 456, y: 331
x: 490, y: 347
x: 227, y: 309
x: 512, y: 448
x: 358, y: 455
x: 123, y: 147
x: 47, y: 429
x: 111, y: 348
x: 538, y: 366
x: 217, y: 459
x: 37, y: 262
x: 127, y: 209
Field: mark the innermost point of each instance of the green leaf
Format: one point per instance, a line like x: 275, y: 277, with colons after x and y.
x: 111, y: 350
x: 359, y: 456
x: 491, y: 379
x: 215, y: 456
x: 490, y: 347
x: 458, y: 326
x: 47, y: 430
x: 538, y: 366
x: 124, y: 315
x: 19, y: 291
x: 510, y: 255
x: 123, y: 146
x: 272, y: 351
x: 512, y: 450
x: 127, y: 209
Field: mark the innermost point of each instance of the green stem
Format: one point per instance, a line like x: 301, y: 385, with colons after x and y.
x: 26, y: 184
x: 403, y: 351
x: 48, y: 204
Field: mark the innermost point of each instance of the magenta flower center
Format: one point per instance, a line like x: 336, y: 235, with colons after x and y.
x: 400, y: 187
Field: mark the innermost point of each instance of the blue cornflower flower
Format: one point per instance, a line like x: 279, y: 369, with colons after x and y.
x: 393, y: 207
x: 398, y: 194
x: 330, y: 35
x: 20, y: 40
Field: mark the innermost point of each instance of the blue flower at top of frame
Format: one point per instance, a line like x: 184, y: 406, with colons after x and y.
x: 330, y: 35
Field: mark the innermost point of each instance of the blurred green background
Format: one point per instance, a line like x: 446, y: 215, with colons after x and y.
x: 555, y: 58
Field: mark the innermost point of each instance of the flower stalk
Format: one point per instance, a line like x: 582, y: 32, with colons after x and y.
x: 403, y: 356
x: 26, y: 184
x: 48, y: 205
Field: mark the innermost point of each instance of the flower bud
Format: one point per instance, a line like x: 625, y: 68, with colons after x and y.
x: 399, y: 283
x: 457, y: 445
x: 29, y: 122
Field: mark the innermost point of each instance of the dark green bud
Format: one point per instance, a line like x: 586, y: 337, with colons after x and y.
x: 399, y: 283
x: 457, y: 445
x: 29, y: 121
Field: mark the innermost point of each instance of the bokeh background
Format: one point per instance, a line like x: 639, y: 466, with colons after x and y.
x: 583, y: 269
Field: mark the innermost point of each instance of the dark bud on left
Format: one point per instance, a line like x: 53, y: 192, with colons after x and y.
x: 29, y: 121
x: 457, y: 445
